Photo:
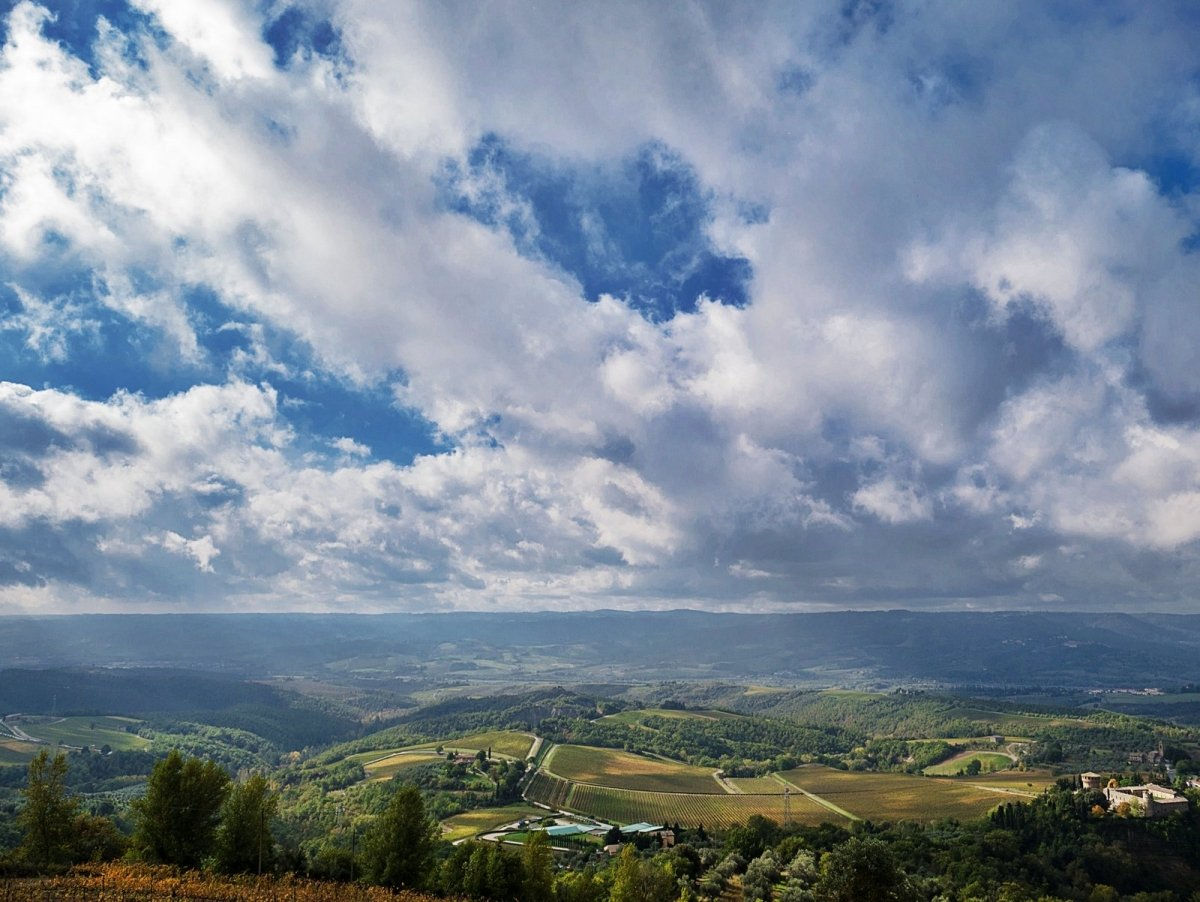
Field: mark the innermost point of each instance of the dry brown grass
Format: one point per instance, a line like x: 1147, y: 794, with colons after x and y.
x: 120, y: 882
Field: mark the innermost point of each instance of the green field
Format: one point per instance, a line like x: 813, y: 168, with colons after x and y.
x: 503, y: 743
x: 481, y: 820
x: 1005, y: 723
x: 893, y: 797
x: 94, y: 731
x: 623, y: 770
x: 988, y: 762
x: 387, y: 767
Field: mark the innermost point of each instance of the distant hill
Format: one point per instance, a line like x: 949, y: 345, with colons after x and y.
x: 846, y: 648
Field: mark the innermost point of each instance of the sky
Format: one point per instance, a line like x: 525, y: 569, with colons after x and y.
x: 360, y: 306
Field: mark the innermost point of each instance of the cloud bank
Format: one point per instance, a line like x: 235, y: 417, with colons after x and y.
x: 344, y: 305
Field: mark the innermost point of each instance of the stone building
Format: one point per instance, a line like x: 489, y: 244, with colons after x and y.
x: 1150, y: 799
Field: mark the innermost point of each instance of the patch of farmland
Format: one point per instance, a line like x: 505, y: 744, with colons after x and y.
x: 503, y: 743
x: 480, y: 820
x: 757, y: 785
x: 1023, y: 781
x: 386, y: 768
x: 14, y: 751
x: 988, y: 762
x: 624, y: 806
x: 94, y: 731
x: 970, y: 740
x: 895, y: 797
x: 623, y: 770
x: 548, y: 789
x: 637, y: 716
x: 365, y: 758
x: 1026, y: 724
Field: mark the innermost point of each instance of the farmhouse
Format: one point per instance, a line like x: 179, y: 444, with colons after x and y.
x: 1154, y: 757
x: 1151, y: 799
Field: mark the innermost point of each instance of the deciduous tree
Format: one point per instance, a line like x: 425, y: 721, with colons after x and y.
x: 538, y: 861
x: 244, y: 840
x: 49, y: 812
x: 397, y: 851
x: 176, y: 821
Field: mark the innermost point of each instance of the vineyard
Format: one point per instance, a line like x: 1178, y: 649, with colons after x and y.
x: 548, y: 789
x: 137, y: 883
x: 622, y: 770
x: 893, y: 797
x: 757, y: 785
x: 713, y: 810
x: 872, y: 796
x: 690, y: 809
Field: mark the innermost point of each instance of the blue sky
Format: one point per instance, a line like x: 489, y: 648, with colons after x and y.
x: 339, y: 305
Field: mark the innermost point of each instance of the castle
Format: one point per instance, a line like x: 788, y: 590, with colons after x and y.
x: 1150, y: 799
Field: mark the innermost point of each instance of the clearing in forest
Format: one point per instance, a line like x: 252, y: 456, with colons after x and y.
x: 94, y: 731
x: 988, y: 762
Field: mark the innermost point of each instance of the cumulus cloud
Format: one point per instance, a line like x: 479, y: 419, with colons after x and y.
x: 961, y: 340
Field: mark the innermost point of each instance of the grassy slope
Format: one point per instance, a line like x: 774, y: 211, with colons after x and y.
x: 387, y: 767
x: 480, y: 820
x: 988, y: 761
x: 503, y: 743
x: 78, y: 731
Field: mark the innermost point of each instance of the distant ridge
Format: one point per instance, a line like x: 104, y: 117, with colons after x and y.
x: 1025, y: 648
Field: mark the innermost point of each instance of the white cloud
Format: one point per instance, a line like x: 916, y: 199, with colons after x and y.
x: 1081, y: 238
x: 349, y: 446
x: 599, y: 456
x: 893, y: 501
x: 201, y: 550
x: 219, y: 32
x: 47, y: 325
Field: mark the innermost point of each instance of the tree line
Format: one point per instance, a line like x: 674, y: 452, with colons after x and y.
x: 1063, y: 845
